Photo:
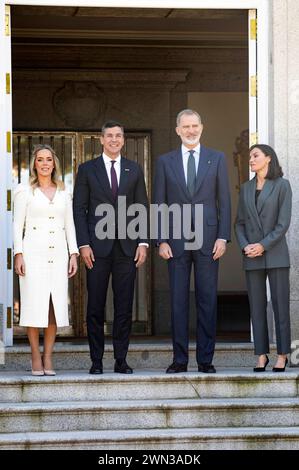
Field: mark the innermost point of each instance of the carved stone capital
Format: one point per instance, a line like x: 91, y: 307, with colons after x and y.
x: 70, y: 101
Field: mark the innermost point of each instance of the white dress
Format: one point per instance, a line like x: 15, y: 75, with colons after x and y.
x: 44, y: 232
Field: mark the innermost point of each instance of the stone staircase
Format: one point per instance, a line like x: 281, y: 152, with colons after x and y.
x: 233, y: 409
x: 143, y: 354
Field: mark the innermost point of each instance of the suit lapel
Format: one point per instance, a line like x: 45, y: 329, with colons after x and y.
x: 264, y: 194
x: 250, y: 200
x: 102, y: 177
x: 203, y: 167
x: 178, y: 169
x: 124, y: 175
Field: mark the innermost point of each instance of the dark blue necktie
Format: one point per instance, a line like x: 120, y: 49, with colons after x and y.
x: 114, y: 184
x: 191, y: 173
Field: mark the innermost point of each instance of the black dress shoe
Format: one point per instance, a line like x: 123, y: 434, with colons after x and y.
x: 281, y: 369
x: 206, y: 368
x: 122, y: 367
x: 262, y: 369
x: 175, y: 368
x: 96, y: 369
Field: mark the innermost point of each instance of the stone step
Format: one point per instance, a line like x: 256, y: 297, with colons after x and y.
x: 255, y: 438
x: 149, y: 414
x: 149, y: 354
x: 146, y: 385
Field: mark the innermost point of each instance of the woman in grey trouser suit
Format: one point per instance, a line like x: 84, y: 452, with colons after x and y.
x: 263, y: 218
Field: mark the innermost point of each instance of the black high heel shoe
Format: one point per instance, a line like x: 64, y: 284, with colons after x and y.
x: 280, y: 369
x: 262, y: 369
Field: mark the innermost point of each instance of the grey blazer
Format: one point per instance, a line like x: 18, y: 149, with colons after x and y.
x: 265, y: 223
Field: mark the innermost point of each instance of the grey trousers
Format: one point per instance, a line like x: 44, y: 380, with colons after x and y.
x: 280, y: 296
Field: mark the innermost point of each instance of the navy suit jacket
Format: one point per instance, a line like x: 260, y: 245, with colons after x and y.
x: 92, y: 188
x: 212, y: 191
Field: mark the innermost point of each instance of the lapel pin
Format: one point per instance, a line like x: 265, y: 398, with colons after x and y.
x: 209, y: 161
x: 127, y: 169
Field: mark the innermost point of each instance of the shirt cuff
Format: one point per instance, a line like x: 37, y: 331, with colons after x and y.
x: 83, y: 246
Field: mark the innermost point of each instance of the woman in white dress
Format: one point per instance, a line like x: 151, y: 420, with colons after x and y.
x: 46, y: 253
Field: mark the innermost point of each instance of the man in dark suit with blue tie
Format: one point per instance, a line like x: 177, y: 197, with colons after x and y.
x: 194, y: 175
x: 100, y: 183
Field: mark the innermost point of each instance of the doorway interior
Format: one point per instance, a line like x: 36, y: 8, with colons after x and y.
x: 74, y: 67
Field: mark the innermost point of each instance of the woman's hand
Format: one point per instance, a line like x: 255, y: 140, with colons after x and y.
x: 73, y: 265
x: 19, y: 264
x: 253, y: 250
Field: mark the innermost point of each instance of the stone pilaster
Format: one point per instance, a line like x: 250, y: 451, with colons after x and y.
x: 286, y: 123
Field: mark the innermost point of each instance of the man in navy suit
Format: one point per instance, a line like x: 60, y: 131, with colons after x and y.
x: 194, y: 174
x: 99, y: 183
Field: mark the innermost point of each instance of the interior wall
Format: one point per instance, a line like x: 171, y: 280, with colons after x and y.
x: 225, y: 116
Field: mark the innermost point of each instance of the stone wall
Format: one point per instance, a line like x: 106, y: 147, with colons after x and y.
x: 285, y: 122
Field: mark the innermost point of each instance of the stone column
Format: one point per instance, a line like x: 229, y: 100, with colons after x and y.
x: 285, y: 125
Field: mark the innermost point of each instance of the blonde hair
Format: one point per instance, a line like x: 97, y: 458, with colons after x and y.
x: 56, y: 173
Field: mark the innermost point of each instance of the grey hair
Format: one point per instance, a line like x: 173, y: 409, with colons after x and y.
x: 188, y: 112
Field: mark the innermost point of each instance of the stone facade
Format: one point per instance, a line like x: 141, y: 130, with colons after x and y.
x: 285, y: 122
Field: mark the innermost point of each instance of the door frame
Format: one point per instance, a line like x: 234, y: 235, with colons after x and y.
x: 262, y: 110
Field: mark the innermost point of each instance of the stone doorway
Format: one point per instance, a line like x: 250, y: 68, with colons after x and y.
x: 140, y: 66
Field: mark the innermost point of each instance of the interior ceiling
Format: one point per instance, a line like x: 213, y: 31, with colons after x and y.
x: 129, y: 26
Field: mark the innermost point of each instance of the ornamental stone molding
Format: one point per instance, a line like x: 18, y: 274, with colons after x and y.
x: 70, y: 101
x: 107, y: 78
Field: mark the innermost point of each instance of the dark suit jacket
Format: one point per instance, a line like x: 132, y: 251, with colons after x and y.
x: 92, y: 188
x: 265, y: 223
x: 212, y: 190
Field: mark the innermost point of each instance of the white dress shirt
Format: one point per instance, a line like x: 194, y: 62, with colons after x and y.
x: 108, y: 165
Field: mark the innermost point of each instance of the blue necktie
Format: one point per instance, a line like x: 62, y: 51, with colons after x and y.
x: 191, y: 173
x: 114, y: 184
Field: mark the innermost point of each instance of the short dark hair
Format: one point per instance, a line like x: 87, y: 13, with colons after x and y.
x: 274, y: 169
x: 110, y: 124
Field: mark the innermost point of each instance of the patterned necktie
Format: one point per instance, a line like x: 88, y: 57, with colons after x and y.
x: 114, y: 184
x: 191, y: 173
